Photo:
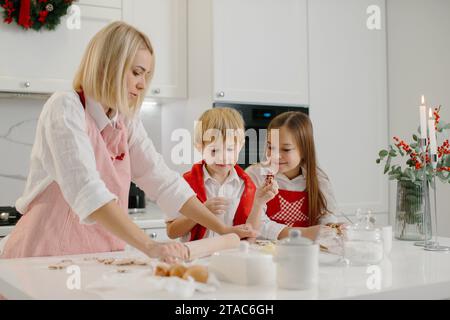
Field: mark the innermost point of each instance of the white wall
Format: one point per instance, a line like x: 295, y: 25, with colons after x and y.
x: 182, y: 114
x: 419, y: 63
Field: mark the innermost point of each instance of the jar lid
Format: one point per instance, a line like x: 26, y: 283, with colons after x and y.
x: 364, y: 228
x: 295, y: 239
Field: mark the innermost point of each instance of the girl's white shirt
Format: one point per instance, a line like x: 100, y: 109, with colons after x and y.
x: 271, y: 229
x: 62, y: 152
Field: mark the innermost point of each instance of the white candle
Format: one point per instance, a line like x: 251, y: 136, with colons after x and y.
x: 432, y: 131
x: 423, y: 119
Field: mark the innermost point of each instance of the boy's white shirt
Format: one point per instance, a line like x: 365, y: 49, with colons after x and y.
x: 270, y: 229
x: 232, y: 189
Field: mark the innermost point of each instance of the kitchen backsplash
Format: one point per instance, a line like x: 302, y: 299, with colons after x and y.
x: 18, y: 119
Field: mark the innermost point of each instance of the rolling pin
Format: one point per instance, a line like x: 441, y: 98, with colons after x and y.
x: 205, y: 247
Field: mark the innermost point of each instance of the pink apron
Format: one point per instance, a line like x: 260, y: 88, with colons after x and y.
x: 49, y: 227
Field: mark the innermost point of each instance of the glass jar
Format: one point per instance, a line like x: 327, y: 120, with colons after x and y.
x: 410, y: 211
x: 363, y: 244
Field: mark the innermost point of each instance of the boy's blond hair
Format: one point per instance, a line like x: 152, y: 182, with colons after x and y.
x: 222, y: 121
x: 108, y: 57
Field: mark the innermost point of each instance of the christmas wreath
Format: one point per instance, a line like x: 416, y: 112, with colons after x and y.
x: 35, y: 14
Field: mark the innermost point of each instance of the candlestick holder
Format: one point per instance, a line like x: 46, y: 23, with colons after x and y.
x: 434, y: 245
x: 426, y: 214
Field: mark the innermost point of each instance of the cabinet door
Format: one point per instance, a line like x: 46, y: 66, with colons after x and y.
x: 260, y: 51
x: 158, y: 234
x: 46, y: 61
x: 164, y: 21
x: 348, y: 95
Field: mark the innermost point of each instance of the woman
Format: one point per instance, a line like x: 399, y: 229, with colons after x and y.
x: 89, y: 144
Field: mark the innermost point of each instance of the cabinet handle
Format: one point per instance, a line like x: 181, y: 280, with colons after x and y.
x: 153, y: 235
x: 156, y: 91
x: 27, y: 84
x: 220, y: 94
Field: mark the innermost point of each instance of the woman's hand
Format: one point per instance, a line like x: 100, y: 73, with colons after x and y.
x: 217, y: 205
x: 243, y: 231
x: 170, y: 252
x: 266, y: 193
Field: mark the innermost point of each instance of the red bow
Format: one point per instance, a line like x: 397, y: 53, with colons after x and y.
x: 9, y: 8
x: 24, y: 14
x: 42, y: 16
x: 119, y: 157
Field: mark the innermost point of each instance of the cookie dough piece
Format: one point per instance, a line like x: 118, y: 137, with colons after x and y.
x: 162, y: 271
x: 177, y: 270
x: 198, y: 273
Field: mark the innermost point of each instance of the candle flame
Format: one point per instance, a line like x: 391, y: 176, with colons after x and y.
x: 423, y: 99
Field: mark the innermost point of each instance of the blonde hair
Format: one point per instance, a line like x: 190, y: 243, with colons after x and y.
x: 224, y: 121
x: 106, y: 61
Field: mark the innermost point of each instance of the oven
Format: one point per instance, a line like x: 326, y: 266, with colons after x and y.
x: 257, y: 118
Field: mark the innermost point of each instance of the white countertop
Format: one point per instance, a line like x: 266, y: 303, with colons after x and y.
x: 409, y: 273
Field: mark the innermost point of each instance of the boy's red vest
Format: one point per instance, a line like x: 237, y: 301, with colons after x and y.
x: 195, y: 179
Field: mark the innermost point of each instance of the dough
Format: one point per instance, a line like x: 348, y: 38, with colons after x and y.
x: 177, y: 270
x: 198, y: 273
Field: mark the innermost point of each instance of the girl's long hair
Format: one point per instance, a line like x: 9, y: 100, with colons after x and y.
x: 300, y: 126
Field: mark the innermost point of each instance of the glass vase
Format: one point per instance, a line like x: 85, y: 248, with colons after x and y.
x: 409, y: 218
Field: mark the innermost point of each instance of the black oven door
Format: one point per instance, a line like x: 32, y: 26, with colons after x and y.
x: 257, y: 118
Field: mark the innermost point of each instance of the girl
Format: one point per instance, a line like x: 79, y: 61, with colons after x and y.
x: 300, y: 195
x: 220, y: 184
x: 89, y: 144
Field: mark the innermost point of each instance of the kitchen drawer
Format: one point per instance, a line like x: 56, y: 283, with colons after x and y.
x: 158, y: 234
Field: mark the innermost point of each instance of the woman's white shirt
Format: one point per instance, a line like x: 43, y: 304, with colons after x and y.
x: 63, y: 152
x: 271, y: 229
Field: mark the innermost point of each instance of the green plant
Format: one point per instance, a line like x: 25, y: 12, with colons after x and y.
x: 416, y: 164
x: 410, y: 193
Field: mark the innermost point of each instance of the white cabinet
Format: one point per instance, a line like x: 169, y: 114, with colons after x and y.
x: 165, y: 22
x: 260, y: 51
x: 348, y: 99
x: 157, y: 234
x: 46, y: 61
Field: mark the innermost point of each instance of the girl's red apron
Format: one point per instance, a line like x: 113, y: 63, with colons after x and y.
x: 49, y: 227
x: 289, y: 208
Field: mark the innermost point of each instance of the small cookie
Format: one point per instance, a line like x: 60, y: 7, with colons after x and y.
x: 106, y: 260
x: 123, y: 262
x: 122, y: 270
x: 141, y: 263
x: 60, y: 265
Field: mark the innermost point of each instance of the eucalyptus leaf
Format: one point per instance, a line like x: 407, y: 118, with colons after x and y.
x: 383, y: 153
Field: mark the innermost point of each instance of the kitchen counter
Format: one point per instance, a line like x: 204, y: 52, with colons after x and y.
x: 152, y: 217
x: 409, y: 273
